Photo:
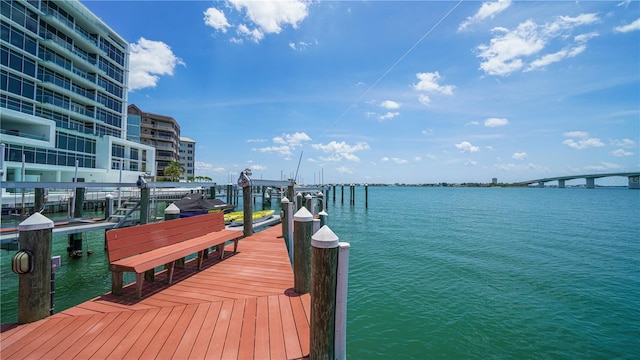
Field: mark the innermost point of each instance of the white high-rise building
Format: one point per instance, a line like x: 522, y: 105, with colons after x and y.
x: 63, y: 96
x: 187, y: 157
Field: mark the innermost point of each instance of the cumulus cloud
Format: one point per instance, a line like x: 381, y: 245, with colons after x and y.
x: 344, y: 170
x: 466, y: 146
x: 388, y: 115
x: 428, y: 83
x: 206, y: 168
x: 341, y: 150
x: 519, y: 155
x: 388, y: 104
x: 634, y: 26
x: 285, y: 143
x: 621, y: 152
x: 257, y: 18
x: 394, y: 159
x: 495, y: 122
x: 583, y: 140
x: 625, y: 143
x: 301, y: 45
x: 510, y: 50
x: 602, y: 166
x: 148, y: 61
x: 216, y: 19
x: 488, y: 10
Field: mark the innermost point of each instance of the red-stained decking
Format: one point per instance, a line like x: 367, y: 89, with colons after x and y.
x: 242, y: 307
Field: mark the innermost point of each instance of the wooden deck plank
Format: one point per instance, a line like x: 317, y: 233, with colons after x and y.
x: 248, y: 336
x: 276, y: 340
x: 241, y: 307
x: 189, y: 338
x: 232, y: 341
x: 290, y: 334
x: 262, y: 350
x: 219, y: 336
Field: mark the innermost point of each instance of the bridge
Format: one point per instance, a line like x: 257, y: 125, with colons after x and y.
x: 634, y: 179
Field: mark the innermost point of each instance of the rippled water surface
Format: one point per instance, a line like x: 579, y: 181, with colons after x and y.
x: 464, y: 273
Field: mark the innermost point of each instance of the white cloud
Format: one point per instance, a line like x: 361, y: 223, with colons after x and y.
x: 216, y: 19
x: 203, y: 167
x: 488, y: 10
x: 472, y: 123
x: 282, y: 150
x: 466, y: 146
x: 583, y: 143
x: 602, y: 167
x: 429, y: 83
x: 494, y: 122
x: 424, y: 99
x: 427, y: 132
x: 388, y: 115
x: 256, y: 140
x: 259, y: 17
x: 341, y: 150
x: 621, y: 152
x: 301, y: 45
x: 285, y: 143
x: 519, y: 155
x: 394, y: 159
x: 634, y: 26
x: 388, y: 104
x: 258, y: 167
x: 344, y: 170
x: 509, y: 50
x: 578, y: 134
x: 625, y: 143
x: 148, y: 60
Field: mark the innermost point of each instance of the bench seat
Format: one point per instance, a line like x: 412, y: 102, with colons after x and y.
x: 141, y: 249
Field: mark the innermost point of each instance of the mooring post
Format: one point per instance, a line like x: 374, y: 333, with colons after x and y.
x: 108, y: 210
x: 302, y: 231
x: 172, y: 212
x: 324, y: 262
x: 341, y: 301
x: 75, y: 240
x: 287, y: 225
x: 212, y: 192
x: 334, y: 194
x: 308, y: 200
x: 34, y: 287
x: 323, y: 218
x: 299, y: 203
x: 145, y: 194
x: 342, y: 195
x: 366, y: 196
x: 38, y: 201
x: 321, y: 206
x: 244, y: 181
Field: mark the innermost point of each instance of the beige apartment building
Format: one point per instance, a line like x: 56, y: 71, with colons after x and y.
x: 161, y: 132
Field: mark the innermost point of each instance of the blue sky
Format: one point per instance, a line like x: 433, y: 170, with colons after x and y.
x: 391, y: 91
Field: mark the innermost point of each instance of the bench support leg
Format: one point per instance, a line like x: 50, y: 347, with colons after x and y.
x: 221, y: 250
x: 201, y: 258
x: 170, y: 267
x: 116, y: 282
x: 235, y: 245
x: 139, y: 283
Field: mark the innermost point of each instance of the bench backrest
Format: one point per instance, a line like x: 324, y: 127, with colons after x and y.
x: 125, y: 242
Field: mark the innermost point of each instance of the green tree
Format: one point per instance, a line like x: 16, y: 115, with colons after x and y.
x: 173, y: 170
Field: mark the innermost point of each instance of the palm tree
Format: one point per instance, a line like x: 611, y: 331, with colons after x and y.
x: 173, y: 170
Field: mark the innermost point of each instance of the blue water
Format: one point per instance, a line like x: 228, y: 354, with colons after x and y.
x: 465, y: 273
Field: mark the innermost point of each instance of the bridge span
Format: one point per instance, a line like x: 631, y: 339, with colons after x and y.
x: 634, y: 179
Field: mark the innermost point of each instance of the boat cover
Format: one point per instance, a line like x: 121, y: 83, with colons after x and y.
x: 196, y: 203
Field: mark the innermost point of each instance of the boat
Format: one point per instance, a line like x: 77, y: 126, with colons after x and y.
x: 236, y: 218
x: 196, y: 204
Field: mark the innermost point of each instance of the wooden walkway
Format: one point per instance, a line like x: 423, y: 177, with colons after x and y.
x: 242, y: 307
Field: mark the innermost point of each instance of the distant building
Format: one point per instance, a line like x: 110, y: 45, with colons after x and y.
x: 187, y: 157
x: 63, y: 94
x: 161, y: 132
x: 494, y: 181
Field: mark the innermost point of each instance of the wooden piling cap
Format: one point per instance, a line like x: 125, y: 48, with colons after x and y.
x: 325, y: 238
x: 323, y: 213
x: 172, y: 209
x: 308, y: 196
x: 303, y: 215
x: 284, y: 200
x: 36, y: 221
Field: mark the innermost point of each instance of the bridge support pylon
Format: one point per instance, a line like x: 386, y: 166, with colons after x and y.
x: 540, y: 184
x: 634, y: 182
x: 561, y: 184
x: 591, y: 183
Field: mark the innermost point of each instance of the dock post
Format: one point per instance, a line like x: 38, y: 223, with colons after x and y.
x: 34, y: 287
x: 324, y: 261
x: 38, y: 201
x: 323, y: 218
x: 109, y: 208
x: 302, y: 231
x: 229, y: 192
x: 299, y: 204
x: 321, y: 205
x: 308, y: 200
x: 366, y: 196
x: 244, y: 181
x: 342, y: 195
x: 75, y: 240
x: 144, y: 205
x: 287, y: 225
x: 334, y: 194
x: 291, y: 193
x: 172, y: 212
x: 212, y: 192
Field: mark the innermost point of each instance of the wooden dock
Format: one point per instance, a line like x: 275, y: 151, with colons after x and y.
x: 242, y: 307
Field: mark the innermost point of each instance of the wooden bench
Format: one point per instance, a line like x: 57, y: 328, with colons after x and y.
x: 142, y: 248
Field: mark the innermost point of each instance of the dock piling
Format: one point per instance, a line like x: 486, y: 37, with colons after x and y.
x: 287, y: 225
x: 302, y: 231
